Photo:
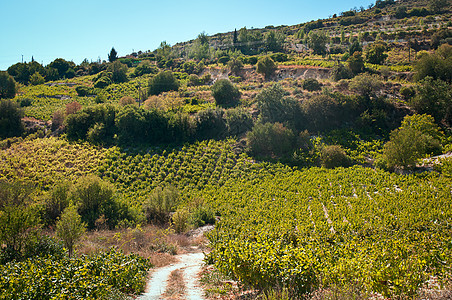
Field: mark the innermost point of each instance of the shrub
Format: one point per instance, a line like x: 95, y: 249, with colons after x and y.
x: 10, y: 119
x: 437, y: 65
x: 407, y: 92
x: 340, y: 71
x: 160, y: 204
x: 7, y: 86
x: 334, y: 156
x: 270, y: 140
x: 83, y: 91
x: 179, y: 220
x: 274, y: 106
x: 127, y: 100
x: 70, y: 228
x: 163, y: 82
x: 375, y: 53
x: 55, y: 202
x: 210, y: 124
x: 118, y: 72
x: 322, y: 112
x: 356, y: 63
x: 266, y: 66
x: 311, y: 84
x: 225, y: 93
x: 201, y: 216
x: 365, y: 84
x: 238, y: 121
x: 235, y: 65
x: 95, y: 198
x: 36, y: 79
x: 145, y: 67
x: 317, y: 42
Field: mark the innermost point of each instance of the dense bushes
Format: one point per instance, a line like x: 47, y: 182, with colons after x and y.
x: 7, y: 86
x: 163, y: 82
x: 10, y: 119
x: 266, y: 66
x: 271, y: 140
x: 225, y: 93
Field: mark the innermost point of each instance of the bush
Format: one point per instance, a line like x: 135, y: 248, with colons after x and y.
x: 274, y: 107
x: 127, y: 100
x: 238, y: 121
x: 201, y: 216
x: 70, y: 228
x: 118, y: 72
x: 55, y: 202
x: 163, y: 82
x: 145, y: 67
x: 366, y: 85
x: 179, y: 220
x: 95, y: 198
x: 83, y: 91
x: 407, y: 92
x: 225, y: 93
x: 322, y: 112
x: 340, y: 71
x: 437, y: 65
x: 311, y: 84
x: 210, y: 124
x: 334, y: 156
x: 10, y: 119
x: 7, y: 86
x: 270, y: 140
x: 160, y: 204
x: 375, y: 53
x: 235, y: 65
x: 266, y: 66
x: 356, y: 63
x: 36, y: 79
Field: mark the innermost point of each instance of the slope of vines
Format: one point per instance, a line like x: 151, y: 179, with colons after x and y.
x: 303, y: 229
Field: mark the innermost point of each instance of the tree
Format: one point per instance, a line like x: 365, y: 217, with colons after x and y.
x: 317, y: 42
x: 235, y: 65
x: 322, y: 112
x: 274, y: 107
x: 210, y: 124
x: 238, y: 121
x: 274, y: 41
x: 163, y: 82
x: 225, y: 93
x: 355, y: 46
x: 36, y: 79
x: 376, y: 53
x: 63, y: 67
x: 235, y: 39
x: 56, y: 201
x: 70, y: 228
x: 160, y: 204
x: 366, y: 85
x: 356, y: 63
x: 7, y: 86
x: 434, y: 97
x: 438, y: 6
x: 406, y: 146
x: 95, y: 198
x: 334, y: 156
x: 118, y: 72
x: 113, y: 55
x: 10, y: 119
x: 437, y: 65
x: 266, y: 66
x: 270, y: 140
x: 18, y: 217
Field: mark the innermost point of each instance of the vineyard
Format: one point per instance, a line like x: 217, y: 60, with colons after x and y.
x: 382, y: 232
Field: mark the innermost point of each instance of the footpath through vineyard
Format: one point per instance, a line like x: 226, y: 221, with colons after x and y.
x: 189, y: 265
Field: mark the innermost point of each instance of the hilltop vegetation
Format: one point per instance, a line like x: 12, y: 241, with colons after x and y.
x: 306, y: 141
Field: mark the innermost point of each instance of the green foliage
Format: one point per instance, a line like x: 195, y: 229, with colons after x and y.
x: 70, y: 228
x: 235, y: 65
x: 65, y: 69
x: 238, y: 121
x: 322, y: 112
x: 340, y: 71
x: 210, y: 124
x: 270, y: 140
x: 317, y: 42
x: 266, y: 66
x: 334, y: 156
x: 434, y: 97
x: 36, y: 79
x: 18, y: 217
x: 179, y: 220
x: 356, y: 63
x: 118, y: 72
x: 311, y: 84
x: 407, y: 92
x: 437, y: 65
x: 104, y: 275
x: 56, y: 201
x: 10, y: 119
x: 225, y: 93
x: 274, y: 41
x: 159, y: 205
x: 201, y: 216
x: 274, y: 106
x: 145, y: 67
x: 95, y: 198
x: 83, y: 91
x: 375, y: 53
x: 7, y: 86
x: 163, y: 82
x: 113, y: 55
x: 366, y: 85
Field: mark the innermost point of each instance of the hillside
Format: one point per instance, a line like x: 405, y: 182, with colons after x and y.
x: 304, y: 145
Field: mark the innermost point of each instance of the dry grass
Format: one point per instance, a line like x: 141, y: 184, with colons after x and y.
x: 157, y: 244
x: 176, y: 287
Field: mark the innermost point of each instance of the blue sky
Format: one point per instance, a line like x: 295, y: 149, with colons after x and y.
x: 74, y: 30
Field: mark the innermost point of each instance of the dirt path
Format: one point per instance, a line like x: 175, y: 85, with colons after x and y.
x: 190, y: 264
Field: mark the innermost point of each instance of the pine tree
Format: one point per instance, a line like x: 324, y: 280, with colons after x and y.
x: 113, y: 55
x: 234, y: 39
